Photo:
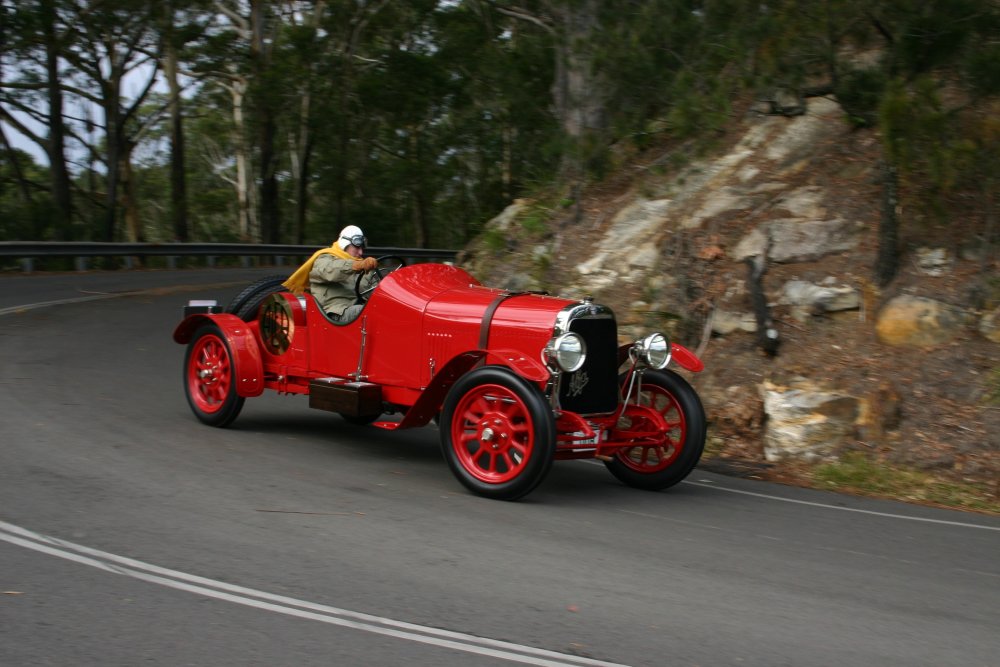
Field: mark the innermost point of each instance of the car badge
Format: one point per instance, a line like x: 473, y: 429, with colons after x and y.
x: 577, y: 382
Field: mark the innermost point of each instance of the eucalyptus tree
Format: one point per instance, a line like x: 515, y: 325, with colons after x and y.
x: 114, y: 63
x: 181, y: 24
x: 36, y: 34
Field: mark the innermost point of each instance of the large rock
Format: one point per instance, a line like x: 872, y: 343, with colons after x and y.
x: 725, y: 322
x: 918, y: 322
x: 794, y: 240
x: 810, y: 299
x: 797, y: 241
x: 989, y: 325
x: 631, y: 228
x: 806, y: 422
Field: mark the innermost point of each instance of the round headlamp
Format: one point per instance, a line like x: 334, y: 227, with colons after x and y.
x: 566, y: 352
x: 653, y: 351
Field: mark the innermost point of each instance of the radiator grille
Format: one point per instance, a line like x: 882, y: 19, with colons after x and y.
x: 594, y: 388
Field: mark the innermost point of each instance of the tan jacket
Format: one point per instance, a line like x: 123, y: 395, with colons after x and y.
x: 331, y: 282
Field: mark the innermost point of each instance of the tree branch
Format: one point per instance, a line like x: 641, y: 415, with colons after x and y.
x: 524, y: 16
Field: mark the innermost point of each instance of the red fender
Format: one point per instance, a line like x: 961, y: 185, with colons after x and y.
x: 685, y: 358
x: 248, y: 367
x: 531, y: 370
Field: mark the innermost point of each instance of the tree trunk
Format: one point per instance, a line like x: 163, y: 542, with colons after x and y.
x: 578, y: 91
x: 270, y: 211
x: 114, y: 151
x: 887, y: 263
x: 178, y: 179
x: 418, y: 198
x: 767, y: 334
x: 247, y: 221
x: 302, y: 188
x: 129, y: 204
x: 55, y: 147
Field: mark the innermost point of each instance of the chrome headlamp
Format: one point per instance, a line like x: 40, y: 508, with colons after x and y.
x: 565, y: 352
x: 653, y: 351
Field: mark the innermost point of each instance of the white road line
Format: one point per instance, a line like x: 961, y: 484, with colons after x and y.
x: 888, y: 515
x: 290, y: 606
x: 61, y: 302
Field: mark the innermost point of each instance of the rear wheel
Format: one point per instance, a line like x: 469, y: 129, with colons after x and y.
x: 659, y: 465
x: 209, y: 378
x: 497, y: 433
x: 246, y: 304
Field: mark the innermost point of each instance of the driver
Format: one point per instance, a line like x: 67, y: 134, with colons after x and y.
x: 331, y: 272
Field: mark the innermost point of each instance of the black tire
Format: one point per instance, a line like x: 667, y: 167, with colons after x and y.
x: 245, y: 304
x: 209, y: 379
x: 497, y: 433
x: 640, y: 467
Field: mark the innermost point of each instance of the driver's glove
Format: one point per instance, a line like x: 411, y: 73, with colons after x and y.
x: 366, y: 264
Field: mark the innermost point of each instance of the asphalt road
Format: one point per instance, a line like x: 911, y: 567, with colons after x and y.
x: 132, y: 534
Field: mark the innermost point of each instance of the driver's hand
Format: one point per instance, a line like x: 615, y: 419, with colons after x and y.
x: 366, y: 264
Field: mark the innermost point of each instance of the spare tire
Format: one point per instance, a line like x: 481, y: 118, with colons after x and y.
x: 245, y: 304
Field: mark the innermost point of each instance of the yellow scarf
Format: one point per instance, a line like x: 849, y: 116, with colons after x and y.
x: 299, y: 281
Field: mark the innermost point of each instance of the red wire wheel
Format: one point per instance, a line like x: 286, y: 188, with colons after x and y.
x: 648, y: 458
x: 677, y: 448
x: 209, y: 381
x: 497, y: 433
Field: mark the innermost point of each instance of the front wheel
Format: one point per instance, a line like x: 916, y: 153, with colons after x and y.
x: 209, y: 378
x: 497, y: 433
x: 681, y: 440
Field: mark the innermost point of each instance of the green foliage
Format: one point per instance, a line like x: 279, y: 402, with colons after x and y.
x: 420, y: 120
x: 495, y: 240
x: 533, y: 222
x: 860, y: 93
x: 993, y: 391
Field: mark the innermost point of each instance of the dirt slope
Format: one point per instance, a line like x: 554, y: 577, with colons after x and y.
x: 662, y: 240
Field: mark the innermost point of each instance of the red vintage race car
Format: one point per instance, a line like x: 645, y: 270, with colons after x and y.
x: 515, y: 380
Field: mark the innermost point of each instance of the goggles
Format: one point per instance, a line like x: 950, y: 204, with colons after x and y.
x: 357, y: 240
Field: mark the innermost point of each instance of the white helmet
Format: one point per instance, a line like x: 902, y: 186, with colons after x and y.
x: 352, y: 235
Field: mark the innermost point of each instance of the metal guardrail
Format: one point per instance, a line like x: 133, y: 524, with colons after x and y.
x: 29, y: 251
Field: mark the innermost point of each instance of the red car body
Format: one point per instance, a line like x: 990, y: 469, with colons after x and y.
x: 432, y: 342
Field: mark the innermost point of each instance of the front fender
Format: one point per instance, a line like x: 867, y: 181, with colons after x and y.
x: 430, y: 400
x: 248, y: 367
x: 679, y: 354
x: 530, y: 369
x: 685, y: 358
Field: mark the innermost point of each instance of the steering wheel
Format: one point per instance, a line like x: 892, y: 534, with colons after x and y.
x: 374, y: 277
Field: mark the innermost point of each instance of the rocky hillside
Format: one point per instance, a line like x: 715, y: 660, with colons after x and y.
x: 905, y: 378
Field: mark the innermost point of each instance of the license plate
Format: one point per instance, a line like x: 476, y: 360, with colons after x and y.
x: 593, y: 440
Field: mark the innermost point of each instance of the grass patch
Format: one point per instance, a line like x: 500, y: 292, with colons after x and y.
x: 858, y: 474
x: 495, y: 240
x: 993, y: 388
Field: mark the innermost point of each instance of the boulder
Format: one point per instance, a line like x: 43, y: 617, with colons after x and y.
x: 796, y: 240
x: 810, y: 299
x: 989, y: 325
x: 793, y: 240
x: 933, y: 261
x: 806, y: 422
x: 726, y: 322
x: 918, y: 322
